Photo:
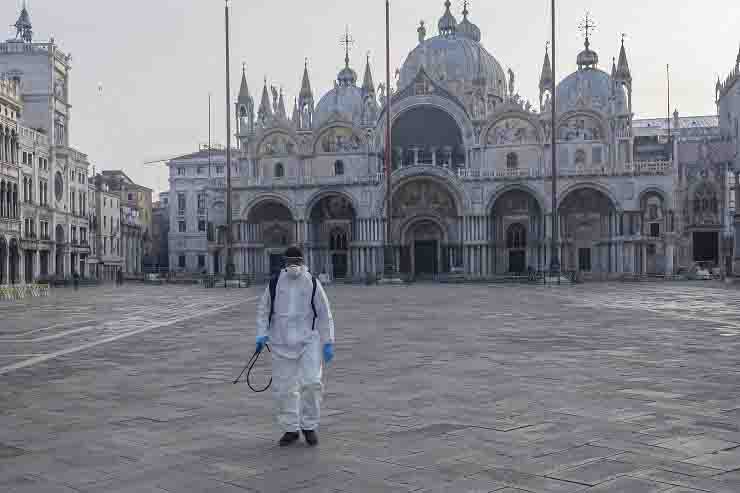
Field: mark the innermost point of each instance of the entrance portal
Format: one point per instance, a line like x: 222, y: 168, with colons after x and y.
x: 339, y: 265
x: 425, y: 257
x: 706, y: 247
x: 517, y: 261
x: 276, y: 263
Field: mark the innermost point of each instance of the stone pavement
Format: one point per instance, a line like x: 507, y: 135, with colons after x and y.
x: 436, y: 388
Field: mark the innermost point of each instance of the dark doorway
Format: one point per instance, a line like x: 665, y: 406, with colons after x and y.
x: 29, y: 267
x: 3, y: 258
x: 706, y: 246
x: 517, y: 261
x: 425, y: 257
x: 339, y: 265
x: 584, y: 259
x: 216, y: 263
x: 276, y: 263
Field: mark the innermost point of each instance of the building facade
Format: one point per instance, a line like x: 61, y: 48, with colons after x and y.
x: 728, y: 108
x: 50, y: 229
x: 135, y: 219
x: 193, y: 210
x: 160, y: 234
x: 10, y: 179
x: 105, y: 225
x: 471, y: 173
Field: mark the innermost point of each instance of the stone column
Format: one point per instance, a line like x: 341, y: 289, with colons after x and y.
x: 669, y: 252
x: 644, y: 259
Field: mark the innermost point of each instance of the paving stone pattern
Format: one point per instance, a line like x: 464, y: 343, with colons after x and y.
x: 600, y: 388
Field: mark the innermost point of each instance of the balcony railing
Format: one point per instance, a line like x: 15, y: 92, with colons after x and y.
x: 635, y: 168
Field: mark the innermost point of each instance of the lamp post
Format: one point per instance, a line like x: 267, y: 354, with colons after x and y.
x: 554, y: 257
x: 229, y: 253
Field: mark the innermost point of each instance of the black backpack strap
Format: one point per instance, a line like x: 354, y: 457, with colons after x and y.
x: 313, y: 303
x: 273, y: 288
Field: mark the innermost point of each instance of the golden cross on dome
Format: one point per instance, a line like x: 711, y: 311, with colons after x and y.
x: 347, y: 41
x: 587, y: 25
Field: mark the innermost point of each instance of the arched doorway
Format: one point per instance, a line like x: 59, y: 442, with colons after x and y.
x: 425, y: 214
x: 518, y: 230
x: 3, y: 261
x: 330, y: 234
x: 424, y: 240
x: 15, y: 258
x: 706, y: 225
x: 516, y: 244
x: 271, y: 226
x: 587, y: 230
x: 59, y: 238
x: 426, y: 135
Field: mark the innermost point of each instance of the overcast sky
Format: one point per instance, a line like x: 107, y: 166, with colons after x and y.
x: 157, y: 60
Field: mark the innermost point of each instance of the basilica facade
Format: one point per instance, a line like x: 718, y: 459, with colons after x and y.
x: 471, y: 173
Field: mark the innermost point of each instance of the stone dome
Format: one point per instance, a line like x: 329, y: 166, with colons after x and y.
x: 454, y: 58
x: 590, y: 88
x: 344, y: 101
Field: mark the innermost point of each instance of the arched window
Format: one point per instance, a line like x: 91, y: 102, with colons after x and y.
x: 338, y: 168
x: 279, y: 170
x: 516, y: 237
x: 242, y: 111
x: 512, y: 160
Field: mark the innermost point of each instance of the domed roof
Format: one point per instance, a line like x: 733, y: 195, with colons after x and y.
x: 453, y: 58
x: 589, y: 88
x: 347, y: 77
x: 344, y: 101
x: 466, y: 28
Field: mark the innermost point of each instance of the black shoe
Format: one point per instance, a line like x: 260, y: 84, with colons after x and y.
x: 311, y: 437
x: 289, y: 438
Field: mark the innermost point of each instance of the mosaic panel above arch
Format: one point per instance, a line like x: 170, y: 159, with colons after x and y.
x: 277, y: 144
x: 581, y: 128
x: 423, y: 197
x: 512, y: 131
x: 339, y: 140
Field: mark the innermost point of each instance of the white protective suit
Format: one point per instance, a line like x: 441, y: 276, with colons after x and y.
x: 296, y: 348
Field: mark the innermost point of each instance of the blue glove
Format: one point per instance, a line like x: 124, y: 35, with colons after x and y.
x: 328, y: 352
x: 261, y: 341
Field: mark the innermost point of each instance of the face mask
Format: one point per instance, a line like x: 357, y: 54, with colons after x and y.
x: 295, y: 271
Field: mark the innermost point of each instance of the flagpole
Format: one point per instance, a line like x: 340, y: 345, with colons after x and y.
x: 229, y: 253
x: 389, y: 261
x: 554, y: 257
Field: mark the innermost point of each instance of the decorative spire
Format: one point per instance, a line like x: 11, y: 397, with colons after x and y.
x: 587, y: 58
x: 447, y: 24
x: 623, y: 68
x: 296, y: 114
x: 244, y: 95
x: 546, y: 76
x: 265, y: 111
x: 347, y: 76
x: 282, y: 113
x: 367, y: 83
x: 306, y: 92
x: 23, y: 25
x: 614, y: 68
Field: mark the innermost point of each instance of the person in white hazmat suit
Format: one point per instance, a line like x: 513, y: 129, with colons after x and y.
x: 297, y: 322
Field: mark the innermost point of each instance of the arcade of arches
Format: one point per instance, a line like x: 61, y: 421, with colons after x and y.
x: 9, y: 261
x: 431, y: 237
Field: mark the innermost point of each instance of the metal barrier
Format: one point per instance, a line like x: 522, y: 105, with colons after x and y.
x: 15, y: 293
